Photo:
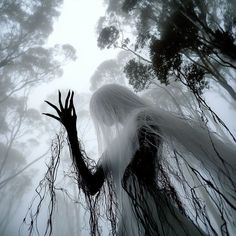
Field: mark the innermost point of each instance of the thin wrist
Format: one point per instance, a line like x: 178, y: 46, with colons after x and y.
x: 71, y: 130
x: 72, y: 134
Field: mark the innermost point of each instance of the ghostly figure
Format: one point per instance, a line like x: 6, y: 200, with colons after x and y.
x: 171, y: 174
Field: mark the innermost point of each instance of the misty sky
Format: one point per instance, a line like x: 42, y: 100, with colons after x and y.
x: 76, y: 26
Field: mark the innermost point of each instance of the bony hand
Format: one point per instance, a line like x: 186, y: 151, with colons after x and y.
x: 66, y: 115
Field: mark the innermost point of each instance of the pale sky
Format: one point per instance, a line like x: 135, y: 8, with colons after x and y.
x: 76, y: 25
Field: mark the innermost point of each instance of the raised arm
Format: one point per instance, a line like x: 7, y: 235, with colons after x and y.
x: 91, y: 182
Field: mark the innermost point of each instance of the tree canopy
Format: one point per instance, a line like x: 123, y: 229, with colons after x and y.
x: 190, y: 41
x: 110, y: 71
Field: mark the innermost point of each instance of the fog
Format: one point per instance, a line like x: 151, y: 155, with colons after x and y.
x: 182, y: 66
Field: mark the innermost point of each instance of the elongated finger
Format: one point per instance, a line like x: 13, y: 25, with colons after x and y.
x: 53, y: 106
x: 71, y: 100
x: 59, y: 98
x: 50, y: 115
x: 74, y: 112
x: 67, y: 99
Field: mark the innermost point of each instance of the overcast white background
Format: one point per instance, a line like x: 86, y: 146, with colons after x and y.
x: 76, y: 26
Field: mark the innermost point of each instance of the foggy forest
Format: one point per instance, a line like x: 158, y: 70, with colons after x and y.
x: 117, y: 117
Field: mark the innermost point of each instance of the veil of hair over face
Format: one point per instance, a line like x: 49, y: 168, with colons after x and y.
x: 110, y: 106
x: 114, y: 102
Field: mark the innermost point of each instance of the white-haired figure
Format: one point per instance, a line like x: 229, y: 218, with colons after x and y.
x: 170, y: 174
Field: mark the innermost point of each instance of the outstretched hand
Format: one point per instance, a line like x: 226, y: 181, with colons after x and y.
x: 66, y: 115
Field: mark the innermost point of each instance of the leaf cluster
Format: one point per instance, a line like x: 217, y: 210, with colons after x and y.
x: 177, y: 34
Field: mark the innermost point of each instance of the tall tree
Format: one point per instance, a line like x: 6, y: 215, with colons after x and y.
x: 110, y: 71
x: 187, y: 40
x: 25, y: 61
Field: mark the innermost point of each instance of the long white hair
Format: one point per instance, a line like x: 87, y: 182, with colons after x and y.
x: 201, y: 165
